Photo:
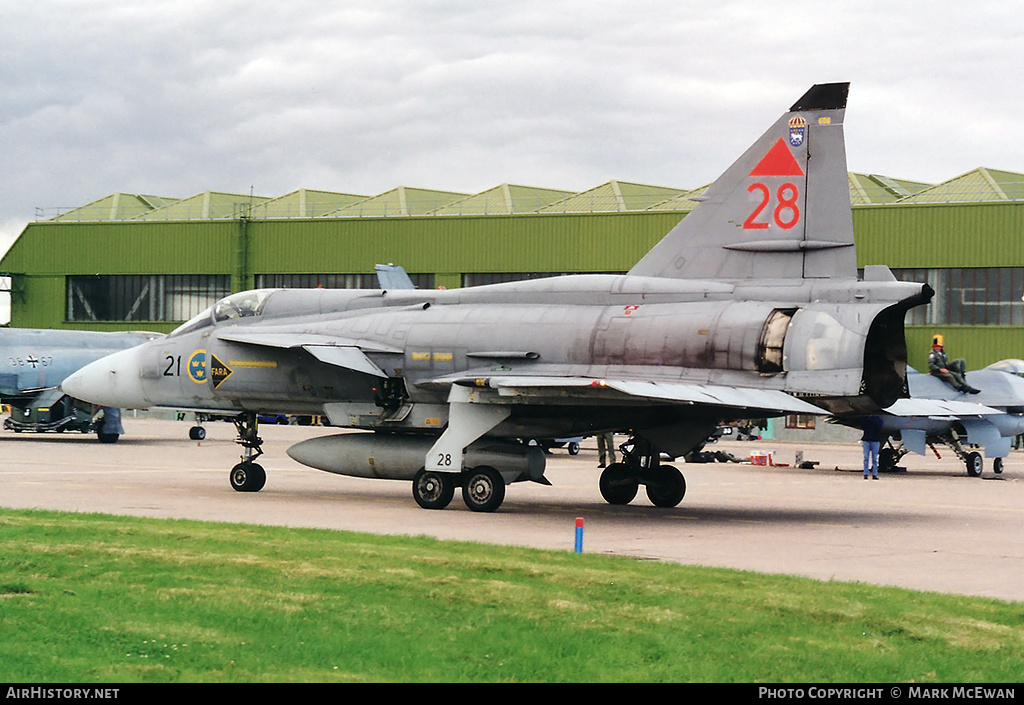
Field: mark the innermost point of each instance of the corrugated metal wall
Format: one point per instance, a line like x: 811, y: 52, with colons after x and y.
x: 192, y: 247
x: 941, y: 235
x: 518, y: 243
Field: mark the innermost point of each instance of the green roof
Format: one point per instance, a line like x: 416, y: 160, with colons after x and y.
x: 398, y: 201
x: 685, y: 201
x: 504, y: 199
x: 979, y: 185
x: 873, y: 188
x: 975, y: 186
x: 209, y: 205
x: 304, y: 203
x: 116, y: 206
x: 614, y: 196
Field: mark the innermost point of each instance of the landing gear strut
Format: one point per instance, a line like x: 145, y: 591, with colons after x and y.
x: 641, y: 465
x: 972, y: 460
x: 247, y: 476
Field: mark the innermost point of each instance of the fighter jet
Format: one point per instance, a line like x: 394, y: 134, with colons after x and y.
x: 749, y: 304
x: 936, y: 414
x: 33, y: 362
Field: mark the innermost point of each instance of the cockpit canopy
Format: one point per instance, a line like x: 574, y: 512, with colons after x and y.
x: 244, y: 304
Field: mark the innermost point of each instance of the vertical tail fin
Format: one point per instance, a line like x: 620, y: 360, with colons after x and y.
x: 781, y: 211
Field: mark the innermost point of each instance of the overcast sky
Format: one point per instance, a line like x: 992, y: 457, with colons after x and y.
x: 177, y: 97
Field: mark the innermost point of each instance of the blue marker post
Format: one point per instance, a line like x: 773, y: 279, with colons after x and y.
x: 579, y: 534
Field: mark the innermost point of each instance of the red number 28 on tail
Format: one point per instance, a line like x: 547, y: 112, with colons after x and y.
x: 787, y: 212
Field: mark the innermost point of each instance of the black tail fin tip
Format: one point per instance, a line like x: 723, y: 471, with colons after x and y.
x: 823, y: 96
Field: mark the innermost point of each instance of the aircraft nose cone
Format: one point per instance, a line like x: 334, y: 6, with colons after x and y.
x: 114, y: 380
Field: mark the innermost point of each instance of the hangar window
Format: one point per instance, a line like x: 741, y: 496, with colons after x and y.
x: 800, y: 421
x: 143, y: 297
x: 333, y: 281
x: 969, y: 296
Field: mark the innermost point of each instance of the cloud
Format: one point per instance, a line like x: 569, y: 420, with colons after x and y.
x: 178, y: 97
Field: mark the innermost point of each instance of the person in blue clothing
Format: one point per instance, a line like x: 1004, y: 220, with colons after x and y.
x: 871, y: 441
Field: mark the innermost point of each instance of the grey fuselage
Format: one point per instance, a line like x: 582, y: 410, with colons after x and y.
x: 839, y: 342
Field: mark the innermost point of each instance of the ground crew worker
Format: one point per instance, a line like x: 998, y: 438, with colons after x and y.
x: 606, y: 448
x: 871, y: 442
x: 953, y: 373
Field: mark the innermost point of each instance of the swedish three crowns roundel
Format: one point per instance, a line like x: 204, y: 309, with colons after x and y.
x: 197, y: 366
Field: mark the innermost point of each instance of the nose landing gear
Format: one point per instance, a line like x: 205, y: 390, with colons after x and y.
x: 247, y: 476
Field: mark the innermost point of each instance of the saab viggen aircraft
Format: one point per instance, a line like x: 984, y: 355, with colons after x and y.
x: 750, y: 307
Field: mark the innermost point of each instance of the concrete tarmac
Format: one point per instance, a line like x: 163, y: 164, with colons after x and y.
x: 930, y: 528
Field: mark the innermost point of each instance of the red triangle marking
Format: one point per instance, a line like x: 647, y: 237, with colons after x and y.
x: 778, y: 162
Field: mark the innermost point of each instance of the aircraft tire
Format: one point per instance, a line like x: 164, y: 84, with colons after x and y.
x: 433, y: 490
x: 248, y: 477
x: 974, y: 464
x: 887, y: 460
x: 668, y: 488
x: 197, y: 433
x: 107, y: 437
x: 484, y: 489
x: 997, y: 466
x: 574, y: 448
x: 618, y: 484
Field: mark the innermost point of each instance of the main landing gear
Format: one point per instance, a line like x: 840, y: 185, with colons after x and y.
x: 975, y: 464
x: 247, y: 476
x: 483, y: 488
x: 889, y: 456
x: 620, y: 482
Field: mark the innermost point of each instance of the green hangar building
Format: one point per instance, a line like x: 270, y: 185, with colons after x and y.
x: 146, y: 262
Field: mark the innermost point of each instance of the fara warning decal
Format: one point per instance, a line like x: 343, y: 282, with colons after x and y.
x: 218, y: 371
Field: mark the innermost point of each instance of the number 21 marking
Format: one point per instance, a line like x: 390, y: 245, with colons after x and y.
x: 787, y: 196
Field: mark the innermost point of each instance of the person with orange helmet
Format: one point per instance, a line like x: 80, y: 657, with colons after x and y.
x: 953, y: 373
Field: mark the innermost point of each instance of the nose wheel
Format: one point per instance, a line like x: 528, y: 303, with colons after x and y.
x: 247, y: 476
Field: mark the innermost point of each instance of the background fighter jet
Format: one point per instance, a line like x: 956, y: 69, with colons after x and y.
x: 936, y: 413
x: 749, y: 303
x: 34, y: 362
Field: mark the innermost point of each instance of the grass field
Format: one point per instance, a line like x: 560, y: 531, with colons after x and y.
x: 91, y: 598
